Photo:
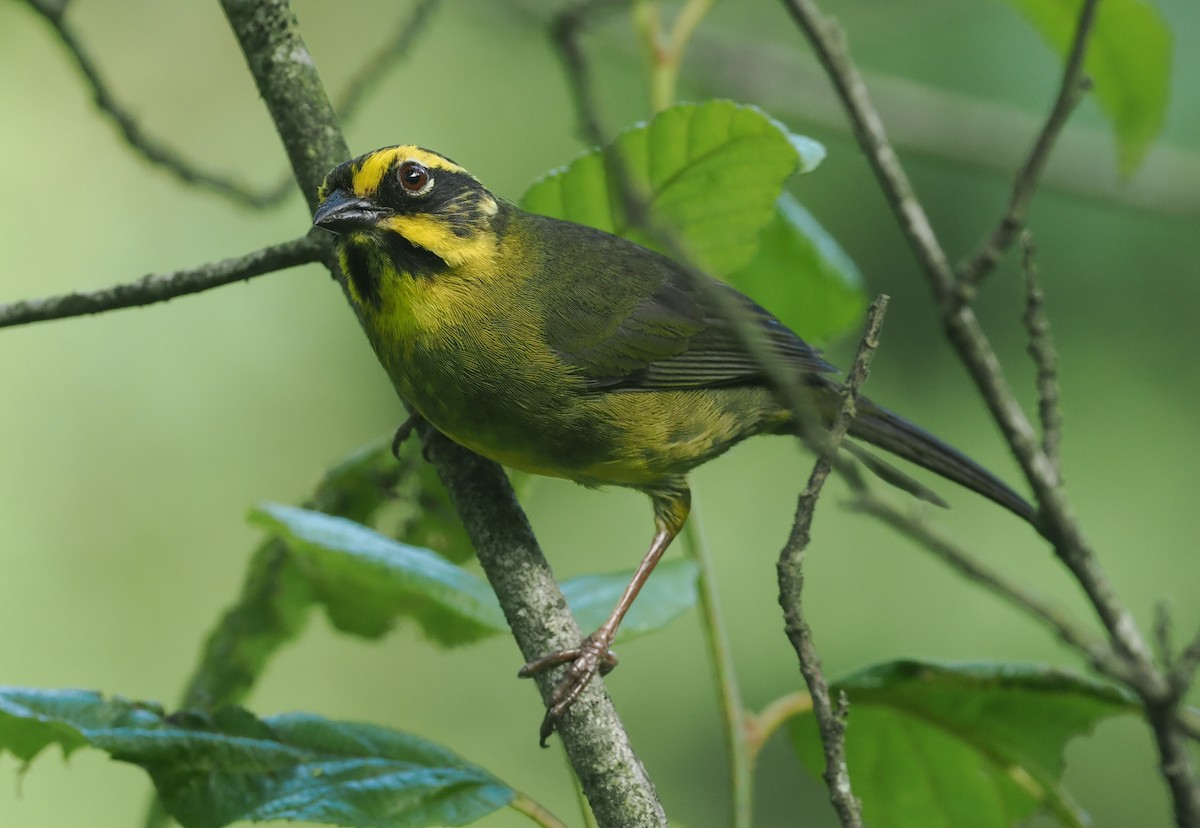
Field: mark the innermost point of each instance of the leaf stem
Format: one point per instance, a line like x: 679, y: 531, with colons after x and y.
x: 761, y: 727
x: 720, y: 657
x: 535, y: 811
x: 665, y: 53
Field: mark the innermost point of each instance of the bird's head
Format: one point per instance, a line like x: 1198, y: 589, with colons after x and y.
x: 405, y: 211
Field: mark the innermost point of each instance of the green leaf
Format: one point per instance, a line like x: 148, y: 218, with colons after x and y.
x: 802, y: 274
x: 211, y: 771
x: 273, y: 606
x: 944, y: 744
x: 1128, y: 58
x: 360, y: 484
x: 670, y: 592
x: 366, y: 580
x: 711, y: 171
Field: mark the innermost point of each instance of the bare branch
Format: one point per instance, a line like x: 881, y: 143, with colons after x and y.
x: 565, y: 31
x: 610, y: 772
x: 1189, y: 722
x: 1074, y: 86
x: 1183, y: 671
x: 1045, y: 356
x: 159, y: 287
x: 831, y: 720
x: 1056, y: 518
x: 1014, y: 593
x: 149, y: 148
x: 393, y: 51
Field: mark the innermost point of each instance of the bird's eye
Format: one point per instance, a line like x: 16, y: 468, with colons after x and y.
x: 415, y: 178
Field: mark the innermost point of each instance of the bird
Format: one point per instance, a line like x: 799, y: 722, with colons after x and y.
x: 563, y: 350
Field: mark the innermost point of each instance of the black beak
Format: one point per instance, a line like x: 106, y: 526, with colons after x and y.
x: 341, y: 212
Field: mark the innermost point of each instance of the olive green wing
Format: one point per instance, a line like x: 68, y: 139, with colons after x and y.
x: 630, y: 318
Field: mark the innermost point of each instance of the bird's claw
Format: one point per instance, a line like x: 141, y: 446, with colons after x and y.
x: 417, y: 423
x: 592, y: 656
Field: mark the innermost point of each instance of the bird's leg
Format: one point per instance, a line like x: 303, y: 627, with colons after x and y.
x: 593, y: 655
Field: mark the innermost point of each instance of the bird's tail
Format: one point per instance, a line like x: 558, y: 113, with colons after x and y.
x: 889, y: 431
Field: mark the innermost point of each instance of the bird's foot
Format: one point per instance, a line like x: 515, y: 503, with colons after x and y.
x: 592, y: 656
x: 417, y: 423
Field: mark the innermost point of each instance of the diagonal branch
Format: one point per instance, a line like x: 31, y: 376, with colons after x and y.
x: 1074, y: 86
x: 610, y: 772
x: 831, y: 721
x: 1045, y: 356
x: 159, y: 287
x: 1016, y: 594
x: 395, y: 49
x: 1056, y: 519
x: 149, y: 148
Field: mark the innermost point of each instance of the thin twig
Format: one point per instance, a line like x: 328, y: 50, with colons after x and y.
x: 1045, y: 356
x: 565, y: 31
x: 159, y: 287
x: 912, y: 527
x: 149, y: 148
x: 376, y: 67
x: 831, y: 720
x: 394, y: 50
x: 1183, y: 670
x: 1162, y: 636
x: 720, y: 658
x: 1056, y: 518
x: 1074, y: 86
x: 1189, y: 722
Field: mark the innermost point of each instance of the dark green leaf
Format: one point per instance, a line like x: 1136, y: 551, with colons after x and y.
x: 366, y: 580
x: 670, y: 592
x: 211, y: 771
x: 1128, y: 58
x: 712, y: 172
x: 802, y: 274
x: 273, y: 606
x: 361, y: 483
x: 272, y: 610
x: 981, y: 745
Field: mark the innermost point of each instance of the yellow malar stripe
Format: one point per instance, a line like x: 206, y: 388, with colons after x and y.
x: 436, y: 236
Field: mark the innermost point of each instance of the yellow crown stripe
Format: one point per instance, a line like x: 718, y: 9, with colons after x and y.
x: 375, y: 166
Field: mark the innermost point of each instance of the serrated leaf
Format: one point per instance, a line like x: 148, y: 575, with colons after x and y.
x: 670, y: 592
x: 1128, y: 58
x: 366, y: 581
x: 211, y: 771
x: 977, y: 744
x: 711, y: 171
x: 273, y: 605
x: 802, y: 274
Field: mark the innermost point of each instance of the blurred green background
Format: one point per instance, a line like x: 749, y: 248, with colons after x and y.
x: 133, y: 443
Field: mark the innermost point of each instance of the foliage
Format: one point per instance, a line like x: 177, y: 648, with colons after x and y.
x: 379, y: 543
